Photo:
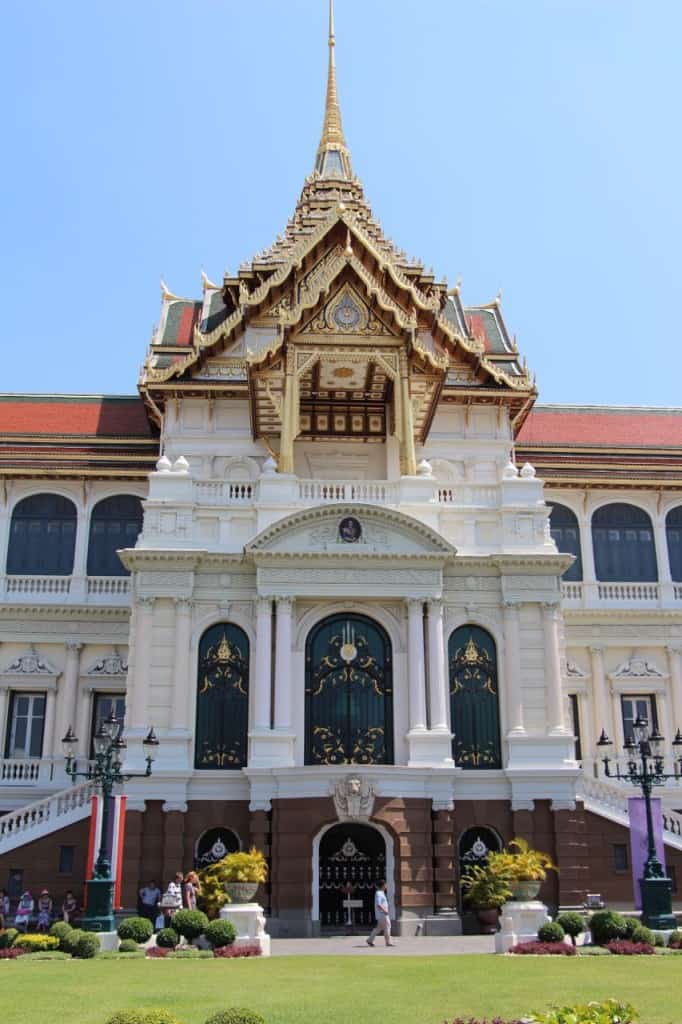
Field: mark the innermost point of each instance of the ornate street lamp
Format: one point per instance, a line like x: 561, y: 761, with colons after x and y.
x: 106, y: 772
x: 646, y: 769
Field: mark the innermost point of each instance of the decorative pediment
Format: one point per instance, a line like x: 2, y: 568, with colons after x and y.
x: 346, y: 313
x: 637, y: 668
x: 114, y: 664
x: 350, y: 531
x: 31, y: 664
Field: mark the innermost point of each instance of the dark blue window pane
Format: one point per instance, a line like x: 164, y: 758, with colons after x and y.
x: 42, y: 536
x: 673, y: 529
x: 563, y: 525
x: 623, y: 542
x: 115, y: 523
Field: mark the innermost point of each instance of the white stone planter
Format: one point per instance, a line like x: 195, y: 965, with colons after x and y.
x: 249, y: 922
x: 519, y: 922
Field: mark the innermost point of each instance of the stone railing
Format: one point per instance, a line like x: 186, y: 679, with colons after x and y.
x: 371, y: 492
x: 224, y: 492
x: 76, y: 589
x: 25, y: 771
x: 44, y: 816
x: 640, y: 593
x: 633, y: 595
x: 467, y: 496
x: 106, y: 586
x: 37, y: 586
x: 611, y: 798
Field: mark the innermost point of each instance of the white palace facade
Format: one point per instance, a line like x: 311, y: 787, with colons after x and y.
x: 377, y: 604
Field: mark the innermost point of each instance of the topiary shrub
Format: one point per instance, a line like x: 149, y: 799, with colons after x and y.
x: 167, y: 938
x: 607, y: 926
x: 551, y: 932
x: 191, y: 953
x: 7, y: 937
x: 572, y: 923
x: 36, y: 943
x: 138, y: 928
x: 128, y: 946
x: 190, y: 923
x: 235, y: 1015
x: 59, y: 929
x: 643, y: 934
x: 631, y: 924
x: 220, y: 933
x: 69, y: 943
x: 87, y: 946
x: 143, y: 1017
x: 675, y: 939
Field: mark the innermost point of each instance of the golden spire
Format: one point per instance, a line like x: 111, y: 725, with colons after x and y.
x: 333, y: 158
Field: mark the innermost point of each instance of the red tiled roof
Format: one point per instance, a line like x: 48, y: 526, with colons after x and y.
x: 602, y: 426
x: 71, y: 415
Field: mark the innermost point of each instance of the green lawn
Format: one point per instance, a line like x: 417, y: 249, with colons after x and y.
x: 343, y: 990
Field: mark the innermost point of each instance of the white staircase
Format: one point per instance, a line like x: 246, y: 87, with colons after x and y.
x: 610, y: 800
x: 33, y: 821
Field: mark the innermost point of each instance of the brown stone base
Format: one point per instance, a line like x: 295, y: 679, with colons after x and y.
x: 423, y: 844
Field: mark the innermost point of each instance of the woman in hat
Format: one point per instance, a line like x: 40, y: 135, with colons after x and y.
x: 44, y: 911
x: 24, y: 911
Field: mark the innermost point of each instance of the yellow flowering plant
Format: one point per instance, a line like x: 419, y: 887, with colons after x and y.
x: 235, y: 867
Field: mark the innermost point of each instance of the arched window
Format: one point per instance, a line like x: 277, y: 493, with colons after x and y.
x: 114, y: 524
x: 474, y: 707
x: 42, y: 536
x: 348, y: 692
x: 222, y: 698
x: 623, y: 542
x: 563, y: 525
x: 673, y: 529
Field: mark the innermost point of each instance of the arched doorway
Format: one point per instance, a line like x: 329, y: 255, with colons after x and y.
x: 214, y: 844
x: 222, y: 699
x: 351, y: 861
x: 348, y: 692
x: 474, y: 707
x: 474, y: 846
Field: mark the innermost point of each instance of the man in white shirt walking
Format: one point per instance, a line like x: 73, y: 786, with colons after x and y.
x: 383, y: 916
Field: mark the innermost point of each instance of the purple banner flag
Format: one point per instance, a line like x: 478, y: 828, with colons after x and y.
x: 639, y: 845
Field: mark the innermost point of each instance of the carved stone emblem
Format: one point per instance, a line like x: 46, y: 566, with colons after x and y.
x: 30, y: 664
x: 353, y: 799
x: 109, y: 665
x: 637, y: 668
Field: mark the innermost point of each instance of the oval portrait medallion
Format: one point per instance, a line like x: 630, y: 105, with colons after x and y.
x: 350, y: 530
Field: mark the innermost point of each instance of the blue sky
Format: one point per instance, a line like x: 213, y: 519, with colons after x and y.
x: 532, y: 146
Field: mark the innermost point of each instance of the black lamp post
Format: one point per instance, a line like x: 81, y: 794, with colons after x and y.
x: 106, y: 772
x: 646, y: 769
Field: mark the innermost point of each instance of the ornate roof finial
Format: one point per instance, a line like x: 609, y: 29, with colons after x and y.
x: 333, y: 158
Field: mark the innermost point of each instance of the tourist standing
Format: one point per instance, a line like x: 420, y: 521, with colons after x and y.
x: 191, y: 888
x: 44, y: 911
x: 150, y: 894
x: 4, y: 908
x: 69, y: 907
x: 383, y: 916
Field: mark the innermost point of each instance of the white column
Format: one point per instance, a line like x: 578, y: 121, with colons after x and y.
x: 437, y: 677
x: 181, y: 672
x: 555, y: 701
x: 512, y: 661
x: 144, y: 612
x: 600, y: 707
x: 283, y: 664
x: 417, y: 683
x: 84, y: 723
x: 68, y: 688
x: 4, y: 724
x: 661, y: 545
x: 48, y: 728
x: 675, y: 663
x: 262, y: 696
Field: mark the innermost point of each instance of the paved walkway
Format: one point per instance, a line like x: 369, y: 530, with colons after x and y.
x: 355, y: 945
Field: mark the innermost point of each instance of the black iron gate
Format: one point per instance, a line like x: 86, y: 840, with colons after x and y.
x: 352, y: 863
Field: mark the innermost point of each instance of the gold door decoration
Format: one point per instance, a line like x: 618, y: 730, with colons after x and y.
x: 474, y: 706
x: 222, y: 698
x: 349, y: 693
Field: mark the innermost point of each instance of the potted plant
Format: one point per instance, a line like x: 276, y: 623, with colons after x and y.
x: 525, y: 868
x: 238, y: 875
x: 486, y: 887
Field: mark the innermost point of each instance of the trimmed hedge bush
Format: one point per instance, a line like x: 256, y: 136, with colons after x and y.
x: 631, y: 923
x: 167, y: 938
x: 190, y: 953
x: 143, y: 1017
x: 49, y: 954
x: 551, y: 932
x: 138, y: 928
x: 87, y: 947
x: 607, y: 926
x: 220, y: 933
x: 659, y: 940
x: 128, y: 946
x: 572, y: 923
x: 69, y: 943
x: 7, y: 937
x: 190, y: 923
x: 235, y: 1015
x: 114, y: 954
x: 36, y: 943
x: 675, y: 939
x: 59, y: 929
x: 643, y: 934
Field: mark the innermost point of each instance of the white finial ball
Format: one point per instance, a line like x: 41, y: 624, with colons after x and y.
x: 528, y: 471
x: 163, y: 465
x: 424, y: 468
x: 181, y: 465
x: 510, y: 472
x: 269, y: 466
